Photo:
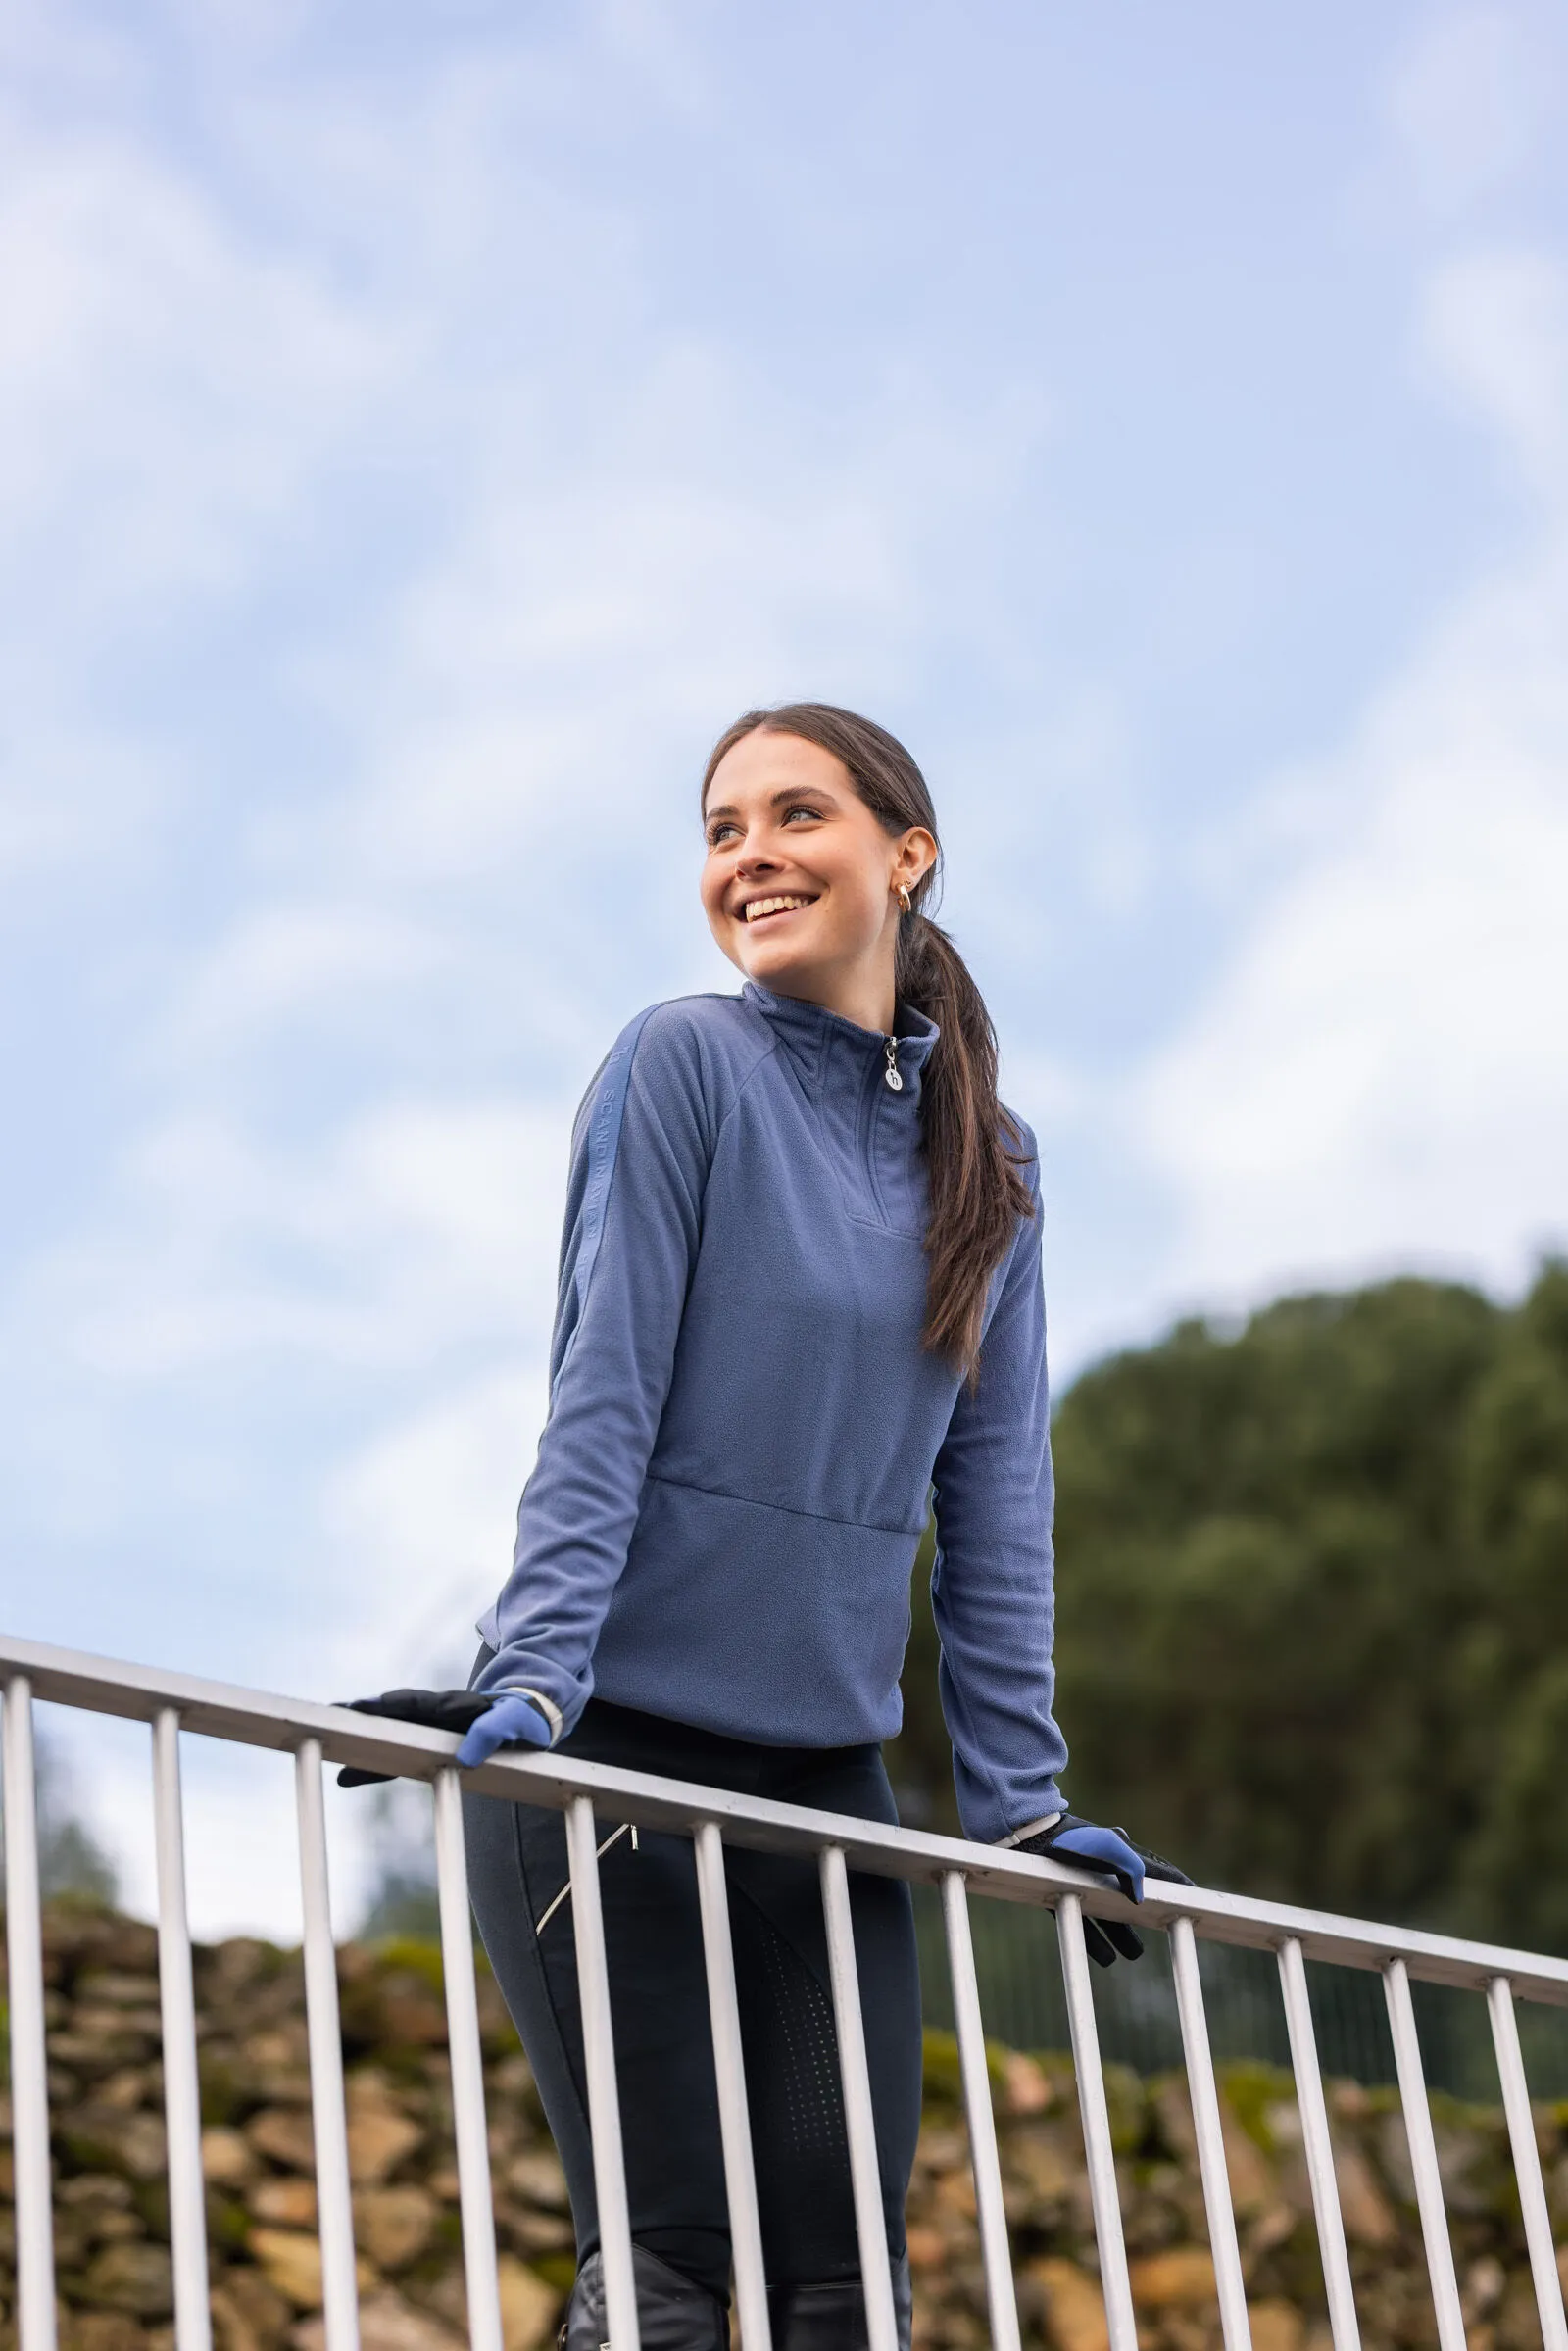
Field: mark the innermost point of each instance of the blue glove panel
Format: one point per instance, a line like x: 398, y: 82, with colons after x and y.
x: 1101, y: 1849
x: 509, y: 1722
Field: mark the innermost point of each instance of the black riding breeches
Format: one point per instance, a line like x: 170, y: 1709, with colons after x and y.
x: 658, y: 2001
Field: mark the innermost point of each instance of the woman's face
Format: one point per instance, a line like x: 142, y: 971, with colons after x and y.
x: 799, y: 882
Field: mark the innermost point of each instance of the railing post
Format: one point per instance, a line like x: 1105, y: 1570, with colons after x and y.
x: 604, y: 2100
x: 859, y: 2119
x: 1210, y: 2137
x: 182, y: 2105
x: 333, y: 2196
x: 1424, y: 2157
x: 1544, y: 2268
x: 467, y: 2069
x: 994, y: 2251
x: 29, y: 2060
x: 1319, y: 2148
x: 729, y: 2067
x: 1099, y: 2153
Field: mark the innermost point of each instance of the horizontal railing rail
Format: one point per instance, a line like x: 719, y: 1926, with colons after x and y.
x: 316, y: 1735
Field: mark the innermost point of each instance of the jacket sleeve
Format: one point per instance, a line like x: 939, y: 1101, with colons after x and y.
x: 992, y: 1588
x: 640, y: 1150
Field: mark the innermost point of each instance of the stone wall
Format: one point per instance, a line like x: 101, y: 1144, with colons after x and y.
x: 112, y: 2204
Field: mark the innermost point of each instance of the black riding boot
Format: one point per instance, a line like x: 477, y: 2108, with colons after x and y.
x: 673, y: 2314
x: 831, y: 2316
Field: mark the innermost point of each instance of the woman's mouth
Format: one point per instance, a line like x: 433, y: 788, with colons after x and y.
x: 768, y: 910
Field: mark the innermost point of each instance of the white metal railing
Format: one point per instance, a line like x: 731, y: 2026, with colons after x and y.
x: 172, y: 1703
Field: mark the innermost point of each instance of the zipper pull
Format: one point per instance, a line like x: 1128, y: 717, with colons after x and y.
x: 891, y: 1074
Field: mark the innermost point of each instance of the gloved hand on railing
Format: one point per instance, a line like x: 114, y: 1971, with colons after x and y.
x: 1110, y: 1853
x: 488, y: 1719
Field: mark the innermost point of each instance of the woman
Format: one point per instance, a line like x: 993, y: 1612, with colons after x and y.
x: 799, y: 1289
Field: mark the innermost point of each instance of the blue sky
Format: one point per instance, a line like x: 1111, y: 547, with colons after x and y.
x: 422, y: 429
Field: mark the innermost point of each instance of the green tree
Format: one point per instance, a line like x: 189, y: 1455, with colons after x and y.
x: 1312, y: 1605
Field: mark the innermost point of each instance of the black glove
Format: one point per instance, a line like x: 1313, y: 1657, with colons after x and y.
x: 1111, y: 1853
x: 454, y: 1710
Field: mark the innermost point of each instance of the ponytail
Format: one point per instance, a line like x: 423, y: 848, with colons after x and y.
x: 973, y: 1147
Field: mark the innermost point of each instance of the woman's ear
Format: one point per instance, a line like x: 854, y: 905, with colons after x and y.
x: 917, y: 854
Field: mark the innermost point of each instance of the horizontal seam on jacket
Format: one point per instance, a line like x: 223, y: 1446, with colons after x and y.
x: 716, y: 1494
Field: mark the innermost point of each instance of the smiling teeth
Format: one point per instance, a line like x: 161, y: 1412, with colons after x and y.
x: 773, y: 906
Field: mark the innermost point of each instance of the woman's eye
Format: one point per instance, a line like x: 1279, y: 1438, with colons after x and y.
x: 801, y: 809
x: 720, y: 835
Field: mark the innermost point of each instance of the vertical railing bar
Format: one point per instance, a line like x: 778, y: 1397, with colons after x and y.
x: 467, y: 2069
x: 734, y: 2116
x: 1527, y: 2165
x: 1424, y: 2157
x: 1209, y: 2129
x: 177, y: 1997
x: 994, y: 2251
x: 333, y: 2195
x: 1319, y: 2148
x: 1099, y: 2153
x: 859, y: 2119
x: 29, y: 2059
x: 604, y: 2100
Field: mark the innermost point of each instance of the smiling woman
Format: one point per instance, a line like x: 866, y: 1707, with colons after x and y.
x: 800, y: 1291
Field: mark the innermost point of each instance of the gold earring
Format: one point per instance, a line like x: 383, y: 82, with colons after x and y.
x: 905, y: 902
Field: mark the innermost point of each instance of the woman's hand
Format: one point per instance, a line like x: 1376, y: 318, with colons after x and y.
x: 1110, y: 1853
x: 486, y: 1721
x: 511, y: 1721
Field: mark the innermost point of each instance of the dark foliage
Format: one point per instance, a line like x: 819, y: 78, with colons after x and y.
x: 1313, y: 1605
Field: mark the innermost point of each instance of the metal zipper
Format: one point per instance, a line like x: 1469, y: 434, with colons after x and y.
x: 890, y: 1075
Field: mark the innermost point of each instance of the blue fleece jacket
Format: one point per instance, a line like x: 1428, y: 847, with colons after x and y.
x: 745, y: 1429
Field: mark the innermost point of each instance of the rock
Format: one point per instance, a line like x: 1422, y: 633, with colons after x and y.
x: 285, y: 2203
x: 284, y: 2132
x: 232, y: 2330
x: 227, y: 2159
x: 955, y: 2193
x: 130, y: 2086
x: 1182, y: 2279
x: 1276, y: 2325
x: 1251, y: 2177
x: 110, y: 1987
x: 539, y: 2179
x: 135, y: 2278
x: 1075, y: 2308
x: 1486, y: 2281
x: 1367, y: 2214
x: 394, y: 2224
x: 107, y: 2138
x: 528, y: 2307
x: 259, y: 2307
x: 99, y: 2197
x: 386, y: 2324
x: 380, y: 2134
x: 292, y: 2262
x: 378, y: 2141
x: 1041, y: 2158
x: 100, y: 2331
x: 1026, y: 2086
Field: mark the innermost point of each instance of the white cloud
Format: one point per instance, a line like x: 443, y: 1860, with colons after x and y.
x: 411, y: 1230
x: 1466, y: 103
x: 1377, y: 1077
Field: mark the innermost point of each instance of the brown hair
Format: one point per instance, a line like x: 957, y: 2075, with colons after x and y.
x: 973, y: 1147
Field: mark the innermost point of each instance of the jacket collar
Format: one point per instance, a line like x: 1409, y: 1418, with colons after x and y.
x: 814, y: 1036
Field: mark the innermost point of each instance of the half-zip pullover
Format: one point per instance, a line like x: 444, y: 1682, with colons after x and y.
x: 744, y: 1428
